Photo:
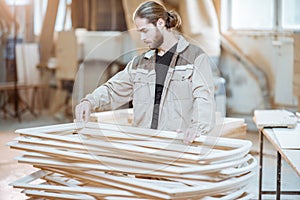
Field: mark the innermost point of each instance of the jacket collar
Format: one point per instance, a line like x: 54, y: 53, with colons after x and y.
x: 181, y: 46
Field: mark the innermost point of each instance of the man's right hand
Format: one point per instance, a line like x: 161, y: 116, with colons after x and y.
x: 83, y: 111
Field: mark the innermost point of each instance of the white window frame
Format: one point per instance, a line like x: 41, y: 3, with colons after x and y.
x: 277, y: 23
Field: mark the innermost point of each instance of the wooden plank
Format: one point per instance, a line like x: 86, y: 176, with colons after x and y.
x: 54, y: 195
x: 48, y: 129
x: 118, y: 182
x: 184, y: 192
x: 31, y: 177
x: 110, y: 161
x: 138, y: 184
x: 93, y: 143
x: 66, y: 54
x: 221, y: 187
x: 141, y: 189
x: 249, y: 166
x: 75, y: 189
x: 163, y: 184
x: 92, y: 150
x: 117, y: 147
x: 188, y: 168
x: 47, y: 32
x: 97, y: 143
x: 104, y: 134
x: 223, y: 142
x: 43, y: 161
x: 205, y: 156
x: 228, y: 127
x: 203, y: 140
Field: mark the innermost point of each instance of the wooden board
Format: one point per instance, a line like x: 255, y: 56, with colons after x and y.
x: 47, y: 32
x: 66, y: 54
x: 227, y: 127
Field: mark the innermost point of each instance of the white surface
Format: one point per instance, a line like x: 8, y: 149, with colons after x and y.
x: 288, y: 138
x: 291, y: 156
x: 284, y: 71
x: 275, y: 118
x: 27, y: 55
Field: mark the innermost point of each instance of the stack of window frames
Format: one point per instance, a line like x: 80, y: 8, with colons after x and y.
x: 106, y: 161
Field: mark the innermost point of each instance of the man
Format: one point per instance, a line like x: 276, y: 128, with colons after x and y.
x: 171, y: 85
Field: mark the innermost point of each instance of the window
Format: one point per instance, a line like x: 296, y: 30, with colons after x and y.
x: 263, y: 14
x: 252, y: 14
x: 40, y: 7
x: 290, y: 16
x: 39, y: 12
x: 17, y: 2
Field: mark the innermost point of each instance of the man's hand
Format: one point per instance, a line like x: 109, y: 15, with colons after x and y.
x: 189, y: 135
x: 83, y: 111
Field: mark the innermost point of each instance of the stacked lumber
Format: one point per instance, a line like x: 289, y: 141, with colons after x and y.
x: 233, y: 127
x: 225, y: 127
x: 107, y: 161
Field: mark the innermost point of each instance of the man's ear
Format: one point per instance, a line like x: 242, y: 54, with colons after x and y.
x: 160, y: 23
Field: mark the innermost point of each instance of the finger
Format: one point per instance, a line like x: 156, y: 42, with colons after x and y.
x: 190, y: 136
x: 80, y: 113
x: 78, y: 120
x: 186, y: 137
x: 77, y: 113
x: 87, y: 115
x: 190, y: 139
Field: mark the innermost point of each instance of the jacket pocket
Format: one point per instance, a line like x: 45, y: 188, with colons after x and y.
x: 141, y: 88
x: 181, y: 85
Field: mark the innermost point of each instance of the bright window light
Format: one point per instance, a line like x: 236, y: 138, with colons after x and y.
x: 17, y: 2
x: 252, y: 14
x: 40, y: 7
x: 291, y: 14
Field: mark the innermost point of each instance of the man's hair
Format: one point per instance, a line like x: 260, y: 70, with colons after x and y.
x: 152, y: 11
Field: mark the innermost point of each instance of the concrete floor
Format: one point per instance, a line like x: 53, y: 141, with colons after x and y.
x: 10, y: 170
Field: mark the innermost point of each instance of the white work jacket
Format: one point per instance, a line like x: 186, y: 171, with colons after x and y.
x: 187, y: 100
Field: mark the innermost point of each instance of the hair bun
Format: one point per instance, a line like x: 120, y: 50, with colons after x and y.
x: 173, y: 20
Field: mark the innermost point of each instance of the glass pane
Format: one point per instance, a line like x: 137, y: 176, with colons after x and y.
x: 61, y: 12
x: 290, y: 16
x: 252, y: 14
x: 40, y: 7
x: 17, y: 2
x: 39, y: 12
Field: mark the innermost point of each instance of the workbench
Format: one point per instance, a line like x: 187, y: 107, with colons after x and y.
x: 290, y: 155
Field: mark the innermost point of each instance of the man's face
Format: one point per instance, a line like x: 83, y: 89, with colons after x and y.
x: 150, y: 34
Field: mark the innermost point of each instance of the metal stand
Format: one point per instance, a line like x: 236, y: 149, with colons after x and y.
x: 278, y: 191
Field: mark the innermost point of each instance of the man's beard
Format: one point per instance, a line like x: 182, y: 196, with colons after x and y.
x: 158, y: 40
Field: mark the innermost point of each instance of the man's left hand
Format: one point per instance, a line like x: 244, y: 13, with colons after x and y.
x: 189, y: 135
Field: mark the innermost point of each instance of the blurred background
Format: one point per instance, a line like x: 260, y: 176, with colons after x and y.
x: 54, y: 52
x: 254, y: 45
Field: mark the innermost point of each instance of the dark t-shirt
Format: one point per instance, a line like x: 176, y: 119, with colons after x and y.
x: 161, y: 70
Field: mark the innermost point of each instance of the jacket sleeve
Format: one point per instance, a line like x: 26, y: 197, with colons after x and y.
x: 114, y: 93
x: 203, y: 116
